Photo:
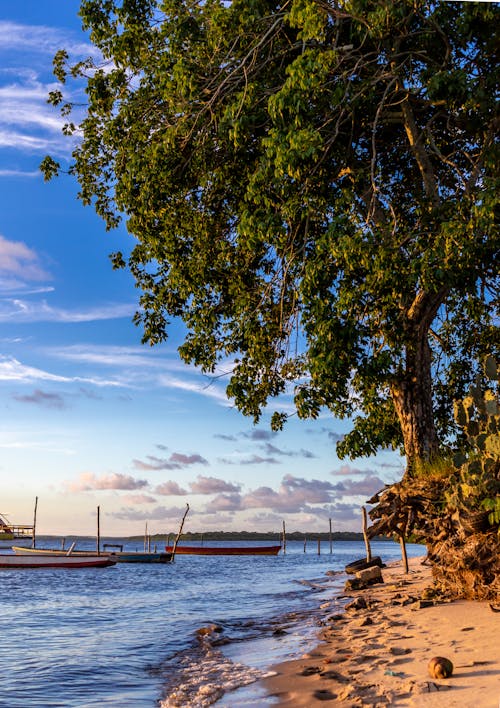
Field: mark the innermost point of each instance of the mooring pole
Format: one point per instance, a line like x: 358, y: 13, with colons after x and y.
x: 331, y: 543
x: 98, y: 539
x: 365, y: 535
x: 33, y: 539
x: 284, y: 537
x: 403, y: 552
x: 179, y: 533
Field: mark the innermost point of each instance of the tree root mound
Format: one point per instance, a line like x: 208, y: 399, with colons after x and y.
x: 464, y: 551
x: 467, y: 567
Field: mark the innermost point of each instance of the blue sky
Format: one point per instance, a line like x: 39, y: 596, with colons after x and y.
x: 92, y: 417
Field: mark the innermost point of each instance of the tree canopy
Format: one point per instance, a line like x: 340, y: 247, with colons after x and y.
x: 312, y: 186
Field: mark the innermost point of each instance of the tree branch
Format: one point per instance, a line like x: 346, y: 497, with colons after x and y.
x: 421, y: 156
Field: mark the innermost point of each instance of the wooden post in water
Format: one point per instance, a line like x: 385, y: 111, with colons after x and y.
x: 63, y: 543
x: 146, y: 538
x: 403, y: 552
x: 33, y: 538
x: 179, y: 532
x: 331, y: 544
x: 98, y: 540
x: 284, y: 538
x: 365, y: 534
x: 319, y: 546
x: 305, y: 542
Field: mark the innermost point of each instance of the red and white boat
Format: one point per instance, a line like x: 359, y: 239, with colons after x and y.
x: 224, y: 550
x: 50, y: 561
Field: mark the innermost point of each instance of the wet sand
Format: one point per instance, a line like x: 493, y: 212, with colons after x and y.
x: 378, y: 655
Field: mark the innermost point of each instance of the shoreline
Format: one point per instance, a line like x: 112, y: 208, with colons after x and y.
x: 378, y: 655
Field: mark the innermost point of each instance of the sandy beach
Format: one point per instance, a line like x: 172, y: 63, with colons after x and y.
x: 377, y: 653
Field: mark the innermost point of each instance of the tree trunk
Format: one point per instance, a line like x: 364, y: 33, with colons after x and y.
x: 412, y: 398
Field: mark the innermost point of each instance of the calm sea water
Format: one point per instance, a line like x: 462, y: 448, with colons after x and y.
x: 126, y: 636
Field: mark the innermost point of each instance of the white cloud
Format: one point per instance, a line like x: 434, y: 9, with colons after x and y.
x: 170, y: 488
x: 30, y: 143
x: 176, y: 461
x: 19, y: 310
x: 40, y: 39
x: 297, y: 495
x: 132, y: 357
x: 209, y: 391
x: 26, y: 105
x: 12, y: 370
x: 138, y: 499
x: 116, y: 481
x: 132, y: 367
x: 347, y: 470
x: 33, y: 174
x: 17, y: 259
x: 28, y: 440
x: 213, y: 485
x: 158, y: 513
x: 20, y: 37
x: 28, y: 124
x: 10, y: 286
x: 145, y: 365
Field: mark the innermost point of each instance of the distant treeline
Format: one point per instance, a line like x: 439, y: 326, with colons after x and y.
x: 274, y: 537
x: 259, y: 536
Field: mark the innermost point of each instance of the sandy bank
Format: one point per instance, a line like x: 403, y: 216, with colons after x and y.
x: 378, y: 655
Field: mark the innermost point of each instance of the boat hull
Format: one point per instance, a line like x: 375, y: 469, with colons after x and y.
x: 124, y: 557
x: 117, y: 556
x: 50, y: 561
x: 225, y: 551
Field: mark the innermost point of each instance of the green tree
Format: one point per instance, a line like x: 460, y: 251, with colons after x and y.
x: 312, y: 187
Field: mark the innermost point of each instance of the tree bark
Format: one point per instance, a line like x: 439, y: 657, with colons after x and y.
x: 411, y: 391
x: 412, y: 398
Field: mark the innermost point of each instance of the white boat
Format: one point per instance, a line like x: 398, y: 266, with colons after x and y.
x: 120, y: 556
x: 50, y: 561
